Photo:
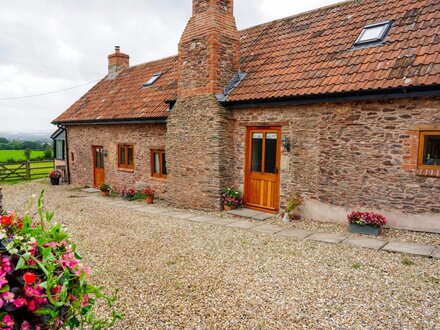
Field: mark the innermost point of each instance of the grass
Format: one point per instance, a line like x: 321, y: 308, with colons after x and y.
x: 408, y: 262
x: 18, y: 155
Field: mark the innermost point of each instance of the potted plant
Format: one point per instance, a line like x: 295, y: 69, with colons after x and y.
x: 149, y: 195
x: 128, y: 194
x: 55, y: 177
x: 292, y: 204
x: 44, y: 284
x: 231, y: 199
x: 105, y: 189
x: 368, y: 223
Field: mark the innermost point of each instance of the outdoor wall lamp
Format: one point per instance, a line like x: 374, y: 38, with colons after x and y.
x: 286, y: 143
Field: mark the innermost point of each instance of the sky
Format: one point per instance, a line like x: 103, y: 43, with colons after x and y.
x: 49, y: 45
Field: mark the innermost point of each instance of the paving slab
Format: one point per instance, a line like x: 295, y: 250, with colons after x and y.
x: 267, y: 229
x: 295, y: 233
x: 410, y: 248
x: 436, y: 253
x: 363, y: 242
x: 243, y: 224
x: 91, y: 190
x: 245, y: 213
x: 221, y: 221
x: 262, y: 216
x: 326, y: 237
x: 202, y: 218
x: 178, y: 215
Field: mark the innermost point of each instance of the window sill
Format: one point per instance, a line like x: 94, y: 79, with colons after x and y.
x: 128, y: 170
x: 160, y: 179
x: 434, y: 173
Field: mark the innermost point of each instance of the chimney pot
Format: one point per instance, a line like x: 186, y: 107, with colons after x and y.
x: 118, y: 61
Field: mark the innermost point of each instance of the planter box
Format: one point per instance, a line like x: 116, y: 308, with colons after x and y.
x: 54, y: 181
x: 229, y: 207
x: 366, y: 230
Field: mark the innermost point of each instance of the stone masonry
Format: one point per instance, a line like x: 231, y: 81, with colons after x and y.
x: 199, y: 132
x: 199, y: 141
x: 1, y: 200
x: 357, y: 154
x: 143, y: 137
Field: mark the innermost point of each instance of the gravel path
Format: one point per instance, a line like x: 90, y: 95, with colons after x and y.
x: 184, y: 275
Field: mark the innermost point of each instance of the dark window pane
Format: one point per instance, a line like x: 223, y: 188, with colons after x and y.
x: 101, y: 153
x: 129, y: 156
x: 164, y: 164
x: 122, y: 156
x: 431, y: 154
x: 257, y: 152
x: 270, y: 162
x: 97, y: 159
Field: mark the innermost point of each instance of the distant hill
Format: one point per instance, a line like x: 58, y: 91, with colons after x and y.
x: 43, y: 136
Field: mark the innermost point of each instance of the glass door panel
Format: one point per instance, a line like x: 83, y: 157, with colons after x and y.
x: 257, y: 152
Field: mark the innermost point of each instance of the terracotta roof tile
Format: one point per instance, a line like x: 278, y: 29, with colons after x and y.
x: 124, y: 97
x: 307, y: 54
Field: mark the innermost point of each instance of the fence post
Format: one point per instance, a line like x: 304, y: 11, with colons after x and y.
x: 1, y: 202
x: 28, y: 170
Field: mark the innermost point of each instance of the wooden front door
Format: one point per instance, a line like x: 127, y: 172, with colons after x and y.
x: 262, y: 181
x: 98, y: 166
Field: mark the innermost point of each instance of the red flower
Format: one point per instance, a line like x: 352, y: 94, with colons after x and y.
x: 29, y: 278
x: 6, y: 220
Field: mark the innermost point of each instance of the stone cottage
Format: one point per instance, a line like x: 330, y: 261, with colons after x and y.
x: 339, y: 104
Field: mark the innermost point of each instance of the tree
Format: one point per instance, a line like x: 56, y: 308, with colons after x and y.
x: 27, y: 153
x: 48, y: 153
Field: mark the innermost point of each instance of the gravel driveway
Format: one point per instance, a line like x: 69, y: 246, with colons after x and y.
x: 184, y: 275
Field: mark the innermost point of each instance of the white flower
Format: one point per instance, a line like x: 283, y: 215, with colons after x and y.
x: 13, y: 251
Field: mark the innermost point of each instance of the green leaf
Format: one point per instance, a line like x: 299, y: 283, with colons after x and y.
x: 20, y: 264
x: 47, y: 311
x: 6, y: 288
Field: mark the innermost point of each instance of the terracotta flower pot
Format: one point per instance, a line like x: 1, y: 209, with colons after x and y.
x: 229, y: 207
x: 105, y: 193
x: 150, y: 199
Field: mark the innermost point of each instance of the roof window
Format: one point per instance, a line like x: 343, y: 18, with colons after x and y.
x: 153, y: 79
x: 373, y: 34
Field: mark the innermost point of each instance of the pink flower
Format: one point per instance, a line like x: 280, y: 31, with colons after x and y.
x: 3, y: 280
x: 25, y: 326
x: 85, y: 301
x: 20, y: 302
x: 8, y: 296
x: 5, y: 264
x: 8, y: 321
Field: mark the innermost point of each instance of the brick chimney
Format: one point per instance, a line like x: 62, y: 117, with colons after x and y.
x: 118, y: 61
x: 209, y: 50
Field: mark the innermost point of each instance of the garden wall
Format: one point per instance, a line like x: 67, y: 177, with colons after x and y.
x: 357, y: 155
x: 143, y: 137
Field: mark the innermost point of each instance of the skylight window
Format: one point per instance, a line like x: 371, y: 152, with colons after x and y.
x: 153, y: 79
x: 373, y: 33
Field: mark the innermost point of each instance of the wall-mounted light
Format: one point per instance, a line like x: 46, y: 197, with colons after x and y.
x: 286, y: 143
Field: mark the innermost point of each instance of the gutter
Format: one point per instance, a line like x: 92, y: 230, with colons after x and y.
x: 161, y: 120
x: 368, y: 95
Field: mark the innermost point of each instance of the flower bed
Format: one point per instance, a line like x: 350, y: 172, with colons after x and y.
x: 43, y: 284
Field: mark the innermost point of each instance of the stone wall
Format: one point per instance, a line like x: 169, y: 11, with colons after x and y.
x: 1, y: 200
x: 143, y: 137
x: 199, y: 157
x: 351, y: 155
